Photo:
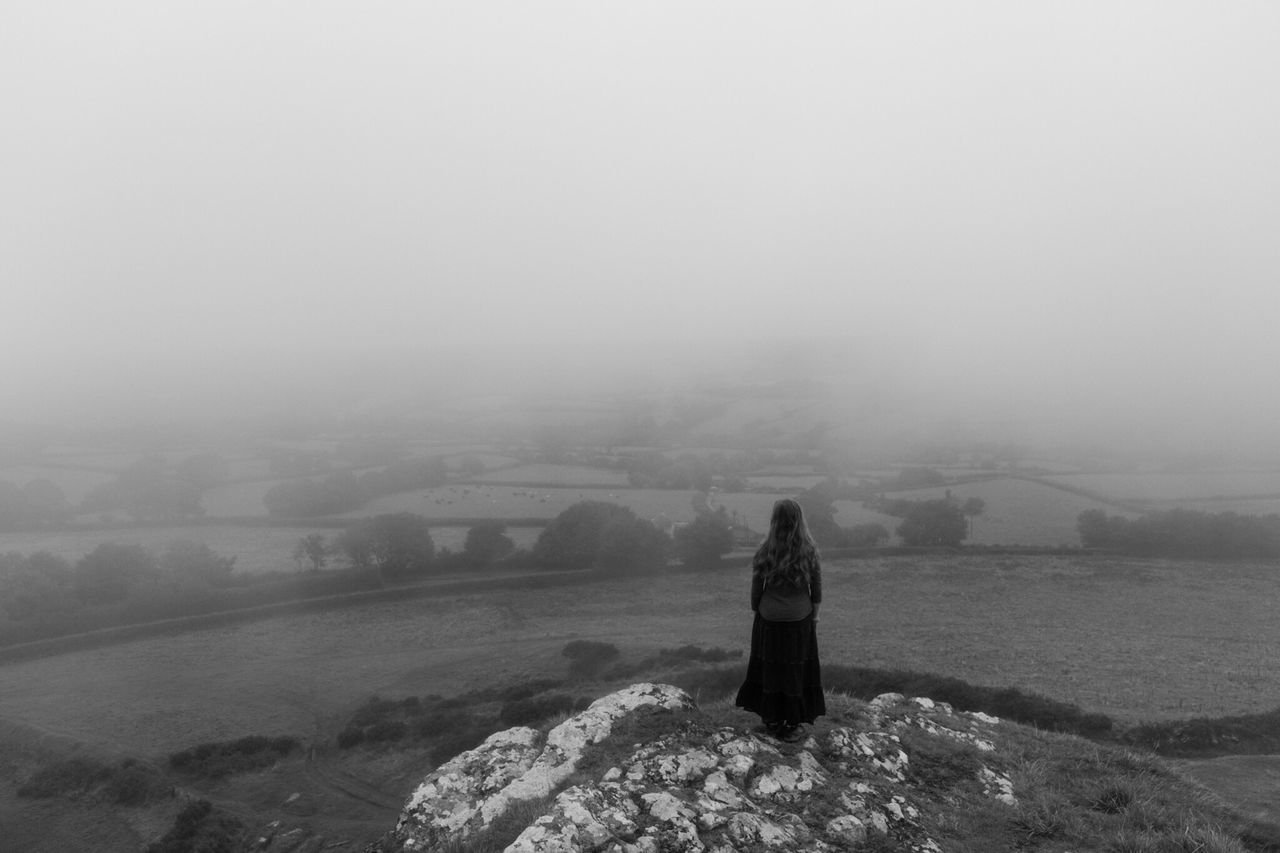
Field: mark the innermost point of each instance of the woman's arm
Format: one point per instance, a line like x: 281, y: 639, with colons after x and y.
x: 815, y: 587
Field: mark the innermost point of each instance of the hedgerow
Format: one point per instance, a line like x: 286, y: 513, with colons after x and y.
x: 216, y: 760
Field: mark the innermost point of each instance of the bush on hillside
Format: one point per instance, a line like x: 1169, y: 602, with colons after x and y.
x: 216, y: 760
x: 1205, y: 737
x: 201, y: 827
x: 588, y: 657
x: 65, y: 778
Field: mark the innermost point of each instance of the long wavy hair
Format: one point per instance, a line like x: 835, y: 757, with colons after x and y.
x: 788, y: 552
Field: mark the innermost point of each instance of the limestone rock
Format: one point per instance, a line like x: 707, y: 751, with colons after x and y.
x: 694, y: 791
x: 469, y: 791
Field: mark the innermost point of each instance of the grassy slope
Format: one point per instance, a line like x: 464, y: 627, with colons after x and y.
x: 1137, y: 639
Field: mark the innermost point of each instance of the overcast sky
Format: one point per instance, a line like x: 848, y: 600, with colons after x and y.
x: 1062, y: 203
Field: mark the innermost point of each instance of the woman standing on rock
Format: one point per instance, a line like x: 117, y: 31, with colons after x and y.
x: 784, y: 681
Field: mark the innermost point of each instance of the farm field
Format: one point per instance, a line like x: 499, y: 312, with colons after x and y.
x: 784, y: 482
x: 1175, y: 487
x: 1131, y: 638
x: 561, y: 475
x: 237, y: 499
x: 1242, y: 506
x: 1018, y: 512
x: 493, y: 501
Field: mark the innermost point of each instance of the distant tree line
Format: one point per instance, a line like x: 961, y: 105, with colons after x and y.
x: 346, y: 491
x: 43, y: 585
x: 43, y: 595
x: 38, y: 503
x: 154, y: 489
x: 1182, y: 533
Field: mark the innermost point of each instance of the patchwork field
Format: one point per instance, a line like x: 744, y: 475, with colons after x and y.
x: 560, y: 475
x: 1135, y: 639
x: 490, y: 501
x: 1176, y: 487
x: 1018, y: 512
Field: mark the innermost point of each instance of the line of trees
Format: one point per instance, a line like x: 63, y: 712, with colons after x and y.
x: 37, y: 503
x: 154, y: 489
x: 1182, y: 533
x: 345, y: 491
x: 43, y: 585
x: 43, y: 595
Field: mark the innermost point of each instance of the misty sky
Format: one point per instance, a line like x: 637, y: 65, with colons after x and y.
x: 1055, y: 203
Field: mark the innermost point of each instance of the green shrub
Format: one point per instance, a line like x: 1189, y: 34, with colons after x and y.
x: 385, y: 731
x: 216, y: 760
x: 374, y: 711
x: 134, y: 784
x: 350, y: 736
x: 1204, y: 737
x: 63, y: 778
x: 201, y: 827
x: 588, y: 657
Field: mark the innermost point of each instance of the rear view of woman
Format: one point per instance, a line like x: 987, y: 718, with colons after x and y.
x: 784, y: 682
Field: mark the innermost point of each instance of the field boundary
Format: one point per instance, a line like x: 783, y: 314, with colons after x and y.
x: 1127, y: 506
x: 163, y: 627
x: 449, y: 586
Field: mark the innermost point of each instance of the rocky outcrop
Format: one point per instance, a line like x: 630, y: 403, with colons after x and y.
x: 698, y: 789
x: 468, y: 792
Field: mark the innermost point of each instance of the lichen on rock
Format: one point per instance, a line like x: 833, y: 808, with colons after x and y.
x: 698, y: 789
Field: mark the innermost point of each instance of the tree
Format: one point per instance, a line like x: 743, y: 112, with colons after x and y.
x: 705, y: 540
x: 397, y: 544
x: 188, y: 560
x: 312, y: 548
x: 819, y: 505
x: 487, y: 543
x: 599, y: 534
x: 628, y: 544
x: 1096, y: 529
x: 936, y: 522
x: 34, y: 586
x: 972, y: 508
x: 107, y: 573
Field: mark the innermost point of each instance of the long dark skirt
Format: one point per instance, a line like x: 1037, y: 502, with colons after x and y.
x: 784, y: 678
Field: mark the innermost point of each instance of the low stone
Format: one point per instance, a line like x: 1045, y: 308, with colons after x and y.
x: 887, y: 700
x: 777, y: 780
x: 739, y: 766
x: 664, y: 806
x: 847, y: 829
x: 747, y: 829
